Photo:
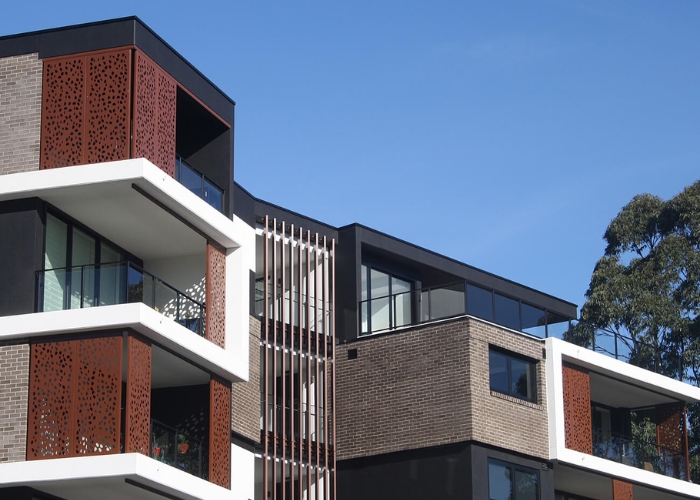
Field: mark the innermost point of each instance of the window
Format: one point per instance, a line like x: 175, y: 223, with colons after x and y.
x: 512, y: 375
x: 512, y: 482
x: 386, y: 301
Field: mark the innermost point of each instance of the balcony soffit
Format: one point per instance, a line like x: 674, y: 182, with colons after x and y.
x: 158, y: 219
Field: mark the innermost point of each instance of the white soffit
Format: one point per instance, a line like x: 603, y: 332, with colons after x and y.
x: 622, y: 371
x: 110, y: 477
x: 137, y: 316
x: 102, y: 196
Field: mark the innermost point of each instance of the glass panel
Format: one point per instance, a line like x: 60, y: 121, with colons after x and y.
x: 54, y: 290
x: 479, y: 302
x: 363, y: 317
x: 425, y: 305
x: 534, y: 320
x: 507, y: 312
x: 379, y: 284
x: 190, y: 179
x: 556, y: 325
x: 75, y: 285
x: 402, y: 309
x: 380, y: 314
x: 56, y: 243
x: 447, y: 301
x: 55, y: 282
x: 399, y: 286
x: 213, y: 195
x: 136, y: 287
x: 525, y: 485
x: 500, y: 482
x: 363, y: 286
x: 522, y: 378
x: 498, y: 372
x: 165, y: 299
x: 84, y: 248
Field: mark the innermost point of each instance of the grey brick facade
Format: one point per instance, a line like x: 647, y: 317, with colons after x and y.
x: 429, y: 386
x: 14, y: 397
x: 245, y: 396
x: 20, y: 113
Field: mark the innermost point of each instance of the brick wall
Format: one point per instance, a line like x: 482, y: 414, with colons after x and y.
x: 245, y: 396
x: 430, y: 386
x: 500, y: 420
x: 20, y: 113
x: 14, y: 394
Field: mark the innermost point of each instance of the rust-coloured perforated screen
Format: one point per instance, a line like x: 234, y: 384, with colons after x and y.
x: 138, y: 397
x: 670, y: 426
x: 98, y: 395
x: 62, y: 112
x: 86, y: 110
x: 108, y: 108
x: 577, y: 409
x: 216, y: 296
x: 75, y: 397
x: 622, y: 490
x: 154, y: 114
x: 50, y: 400
x: 219, y: 433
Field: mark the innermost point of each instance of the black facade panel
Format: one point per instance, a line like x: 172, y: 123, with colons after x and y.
x: 347, y: 274
x: 443, y: 472
x: 480, y: 471
x: 21, y: 254
x: 244, y: 205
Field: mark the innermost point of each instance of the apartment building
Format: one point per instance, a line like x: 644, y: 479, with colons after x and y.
x: 166, y: 334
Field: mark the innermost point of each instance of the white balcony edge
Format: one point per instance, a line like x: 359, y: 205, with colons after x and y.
x: 134, y: 466
x: 628, y: 473
x: 136, y: 316
x: 559, y: 351
x: 140, y: 172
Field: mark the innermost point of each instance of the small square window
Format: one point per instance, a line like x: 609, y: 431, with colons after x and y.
x: 513, y: 375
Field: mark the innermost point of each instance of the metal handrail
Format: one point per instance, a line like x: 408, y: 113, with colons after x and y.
x: 127, y: 295
x: 639, y: 453
x: 175, y: 450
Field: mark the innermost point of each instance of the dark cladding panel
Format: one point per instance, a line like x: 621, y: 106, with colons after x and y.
x: 21, y: 247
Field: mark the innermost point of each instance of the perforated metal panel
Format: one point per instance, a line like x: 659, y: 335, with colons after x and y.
x: 154, y: 114
x: 62, y: 112
x: 75, y: 397
x: 97, y: 395
x: 86, y: 109
x: 138, y: 397
x: 622, y: 490
x: 220, y: 433
x: 108, y: 108
x: 216, y: 296
x: 50, y: 400
x: 577, y: 409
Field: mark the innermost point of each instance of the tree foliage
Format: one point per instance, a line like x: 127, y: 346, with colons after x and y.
x: 646, y: 289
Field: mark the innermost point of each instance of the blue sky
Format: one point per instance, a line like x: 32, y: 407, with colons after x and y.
x: 503, y: 134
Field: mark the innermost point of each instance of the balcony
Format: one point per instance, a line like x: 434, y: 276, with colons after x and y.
x: 424, y: 305
x: 95, y: 285
x: 175, y: 448
x: 199, y: 184
x: 634, y: 451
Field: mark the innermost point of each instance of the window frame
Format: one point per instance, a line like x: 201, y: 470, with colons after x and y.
x: 513, y: 469
x: 532, y: 371
x: 367, y: 269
